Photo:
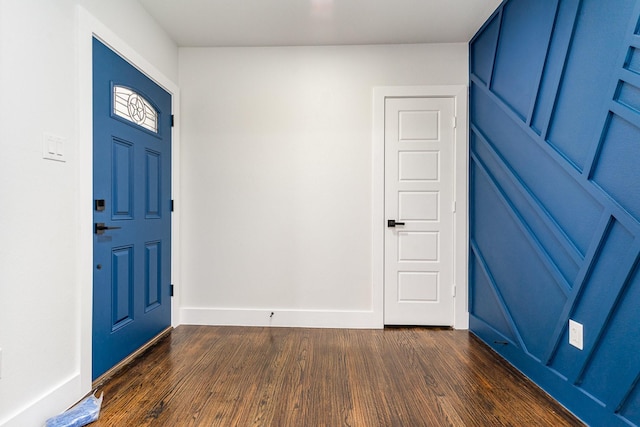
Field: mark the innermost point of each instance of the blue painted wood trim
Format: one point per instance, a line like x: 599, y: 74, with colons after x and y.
x: 591, y: 187
x: 538, y: 248
x: 495, y: 46
x: 582, y: 276
x: 542, y: 66
x: 498, y: 296
x: 564, y: 37
x: 625, y: 399
x: 623, y: 277
x: 585, y: 407
x: 579, y: 127
x: 566, y: 164
x: 631, y: 37
x: 535, y: 204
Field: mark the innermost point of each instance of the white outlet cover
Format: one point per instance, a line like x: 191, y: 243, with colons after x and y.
x: 576, y: 334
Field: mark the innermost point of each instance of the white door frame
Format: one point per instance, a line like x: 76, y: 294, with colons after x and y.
x: 88, y: 27
x: 461, y: 178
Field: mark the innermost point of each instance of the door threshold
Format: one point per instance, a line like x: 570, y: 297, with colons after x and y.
x: 111, y: 372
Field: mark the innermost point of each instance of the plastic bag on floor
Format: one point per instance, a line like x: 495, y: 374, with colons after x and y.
x: 85, y: 412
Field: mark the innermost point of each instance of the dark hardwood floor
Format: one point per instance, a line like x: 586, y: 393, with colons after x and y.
x: 238, y: 376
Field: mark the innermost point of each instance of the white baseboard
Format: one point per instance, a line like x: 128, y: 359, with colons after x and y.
x: 51, y: 403
x: 281, y: 318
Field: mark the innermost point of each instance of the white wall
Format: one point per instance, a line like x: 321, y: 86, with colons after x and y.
x: 276, y: 184
x: 40, y: 289
x: 129, y: 21
x: 276, y: 195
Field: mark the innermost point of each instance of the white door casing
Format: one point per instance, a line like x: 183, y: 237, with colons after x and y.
x: 411, y: 199
x: 419, y: 174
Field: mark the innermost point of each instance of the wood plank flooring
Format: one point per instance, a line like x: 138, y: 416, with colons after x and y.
x: 239, y: 376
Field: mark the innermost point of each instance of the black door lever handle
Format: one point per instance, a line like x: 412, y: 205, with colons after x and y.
x: 99, y: 228
x: 393, y: 223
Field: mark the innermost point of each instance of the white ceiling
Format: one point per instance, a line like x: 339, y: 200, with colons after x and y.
x: 318, y: 22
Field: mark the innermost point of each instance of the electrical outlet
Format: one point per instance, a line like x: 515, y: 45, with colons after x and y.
x: 575, y: 334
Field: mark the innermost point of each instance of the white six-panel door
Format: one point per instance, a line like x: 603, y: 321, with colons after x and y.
x: 419, y: 191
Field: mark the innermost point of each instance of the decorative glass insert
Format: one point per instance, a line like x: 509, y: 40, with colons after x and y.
x: 133, y: 107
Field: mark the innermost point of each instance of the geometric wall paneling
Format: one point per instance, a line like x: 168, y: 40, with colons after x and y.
x: 524, y: 281
x: 554, y: 242
x: 600, y: 289
x: 617, y: 170
x: 560, y: 335
x: 526, y: 232
x: 554, y: 198
x: 554, y: 66
x: 628, y: 94
x: 577, y: 119
x: 630, y: 409
x: 632, y: 61
x: 614, y: 364
x: 484, y: 49
x: 556, y: 189
x: 486, y: 302
x: 522, y: 46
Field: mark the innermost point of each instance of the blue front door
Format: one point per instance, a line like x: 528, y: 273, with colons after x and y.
x: 132, y: 209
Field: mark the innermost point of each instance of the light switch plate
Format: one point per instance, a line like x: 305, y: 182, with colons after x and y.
x: 576, y: 334
x: 53, y: 147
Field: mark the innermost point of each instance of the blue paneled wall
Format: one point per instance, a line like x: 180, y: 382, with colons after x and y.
x: 555, y: 198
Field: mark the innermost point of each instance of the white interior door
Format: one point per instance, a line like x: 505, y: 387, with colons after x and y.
x: 419, y: 189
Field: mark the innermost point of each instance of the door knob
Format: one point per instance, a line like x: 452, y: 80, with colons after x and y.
x: 393, y: 223
x: 100, y: 228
